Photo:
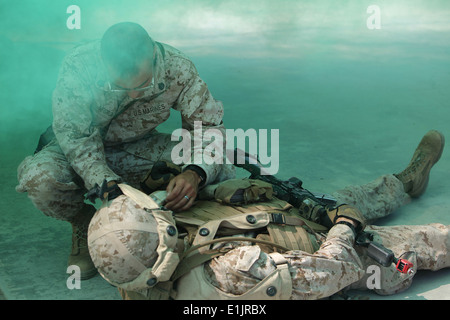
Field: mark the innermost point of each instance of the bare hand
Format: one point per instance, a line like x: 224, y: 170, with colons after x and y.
x: 182, y: 191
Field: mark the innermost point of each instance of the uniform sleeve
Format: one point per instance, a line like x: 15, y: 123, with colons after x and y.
x: 200, y: 111
x: 72, y: 123
x: 333, y: 267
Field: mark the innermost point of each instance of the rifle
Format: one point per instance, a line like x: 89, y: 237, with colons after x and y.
x: 293, y: 192
x: 290, y: 190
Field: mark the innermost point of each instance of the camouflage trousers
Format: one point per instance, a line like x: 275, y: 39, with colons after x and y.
x: 55, y: 189
x: 426, y: 246
x: 338, y: 264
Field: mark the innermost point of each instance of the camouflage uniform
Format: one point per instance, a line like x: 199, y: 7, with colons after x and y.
x: 337, y: 264
x: 108, y: 135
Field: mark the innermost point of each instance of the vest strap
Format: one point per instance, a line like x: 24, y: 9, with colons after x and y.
x: 280, y: 218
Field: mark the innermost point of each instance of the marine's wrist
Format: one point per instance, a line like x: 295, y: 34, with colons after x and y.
x: 198, y: 172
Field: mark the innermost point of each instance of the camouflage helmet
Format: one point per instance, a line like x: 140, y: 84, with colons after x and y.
x: 131, y: 238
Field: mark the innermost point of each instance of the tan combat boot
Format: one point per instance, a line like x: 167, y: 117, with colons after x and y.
x: 80, y: 253
x: 415, y: 177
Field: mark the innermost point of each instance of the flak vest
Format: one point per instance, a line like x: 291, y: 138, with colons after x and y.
x: 278, y: 228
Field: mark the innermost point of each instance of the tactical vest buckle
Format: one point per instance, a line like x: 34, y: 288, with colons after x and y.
x: 277, y: 218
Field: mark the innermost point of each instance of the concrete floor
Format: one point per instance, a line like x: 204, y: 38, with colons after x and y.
x: 345, y: 115
x: 34, y: 248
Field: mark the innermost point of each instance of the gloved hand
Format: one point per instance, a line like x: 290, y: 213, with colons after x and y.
x: 346, y: 211
x: 243, y: 191
x: 106, y: 192
x: 159, y: 176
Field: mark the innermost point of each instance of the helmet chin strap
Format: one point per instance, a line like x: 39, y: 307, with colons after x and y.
x: 139, y: 197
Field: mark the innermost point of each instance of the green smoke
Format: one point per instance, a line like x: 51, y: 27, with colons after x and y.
x: 255, y: 50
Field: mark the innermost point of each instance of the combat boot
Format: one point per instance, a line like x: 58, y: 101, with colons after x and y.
x: 80, y: 253
x: 416, y: 176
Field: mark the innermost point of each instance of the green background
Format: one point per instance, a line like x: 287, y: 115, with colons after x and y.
x: 350, y: 103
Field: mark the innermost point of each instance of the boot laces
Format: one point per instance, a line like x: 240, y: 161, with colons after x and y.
x: 415, y: 165
x: 81, y: 237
